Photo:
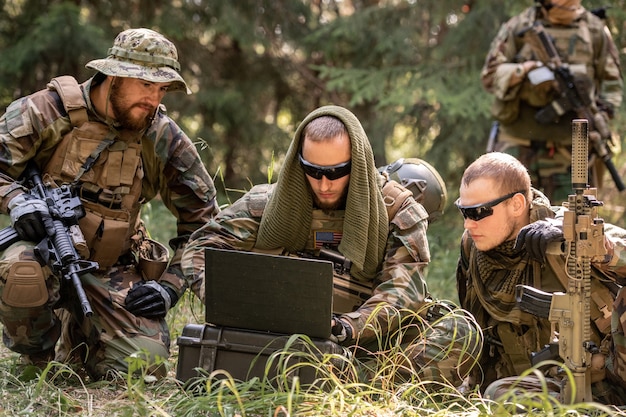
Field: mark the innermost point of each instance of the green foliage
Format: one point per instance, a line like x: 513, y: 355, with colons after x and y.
x: 408, y: 69
x: 392, y: 389
x: 30, y: 51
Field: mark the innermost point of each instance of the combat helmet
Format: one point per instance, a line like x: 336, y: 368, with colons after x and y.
x: 144, y: 54
x: 423, y: 180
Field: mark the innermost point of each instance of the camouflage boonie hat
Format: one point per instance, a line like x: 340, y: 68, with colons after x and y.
x: 144, y: 54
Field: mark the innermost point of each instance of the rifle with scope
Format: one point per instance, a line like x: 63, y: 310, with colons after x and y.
x: 58, y: 249
x: 569, y: 312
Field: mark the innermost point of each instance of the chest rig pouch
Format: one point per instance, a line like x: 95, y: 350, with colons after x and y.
x: 105, y: 166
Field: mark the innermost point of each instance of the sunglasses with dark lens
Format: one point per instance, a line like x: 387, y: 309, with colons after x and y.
x: 332, y: 172
x: 482, y: 210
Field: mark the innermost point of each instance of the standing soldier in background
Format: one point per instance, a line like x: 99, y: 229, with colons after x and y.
x: 522, y: 87
x: 110, y: 141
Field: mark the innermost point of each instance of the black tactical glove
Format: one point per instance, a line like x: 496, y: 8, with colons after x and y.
x: 536, y: 237
x: 30, y: 217
x: 150, y: 299
x: 340, y: 330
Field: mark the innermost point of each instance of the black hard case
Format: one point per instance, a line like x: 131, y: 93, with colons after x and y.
x: 244, y: 353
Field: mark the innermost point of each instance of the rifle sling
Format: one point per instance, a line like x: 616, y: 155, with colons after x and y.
x: 93, y: 157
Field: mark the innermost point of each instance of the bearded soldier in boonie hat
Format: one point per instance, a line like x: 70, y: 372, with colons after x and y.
x: 109, y: 142
x: 145, y: 54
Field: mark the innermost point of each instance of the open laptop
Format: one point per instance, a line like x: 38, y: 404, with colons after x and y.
x: 278, y: 294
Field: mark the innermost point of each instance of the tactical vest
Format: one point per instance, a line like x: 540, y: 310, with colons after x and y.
x: 581, y: 49
x: 575, y: 46
x: 105, y: 166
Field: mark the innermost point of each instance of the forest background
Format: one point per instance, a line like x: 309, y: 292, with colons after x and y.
x: 409, y: 69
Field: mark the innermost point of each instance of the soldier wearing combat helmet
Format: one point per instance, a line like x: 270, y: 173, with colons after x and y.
x: 110, y: 141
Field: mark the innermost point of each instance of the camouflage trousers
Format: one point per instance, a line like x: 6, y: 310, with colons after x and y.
x: 102, y: 341
x: 439, y: 349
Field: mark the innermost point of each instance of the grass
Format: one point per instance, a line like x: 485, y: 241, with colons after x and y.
x: 62, y: 391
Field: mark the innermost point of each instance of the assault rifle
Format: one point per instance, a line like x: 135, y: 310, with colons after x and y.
x: 58, y: 249
x: 574, y: 96
x: 569, y: 311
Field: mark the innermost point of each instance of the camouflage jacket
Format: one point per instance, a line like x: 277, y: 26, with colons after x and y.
x: 399, y: 282
x: 33, y: 126
x: 586, y: 48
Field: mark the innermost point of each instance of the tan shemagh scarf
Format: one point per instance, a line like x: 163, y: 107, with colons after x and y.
x: 286, y: 221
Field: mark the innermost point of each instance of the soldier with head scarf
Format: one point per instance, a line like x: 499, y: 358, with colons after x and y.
x: 513, y: 236
x: 111, y: 143
x: 330, y: 195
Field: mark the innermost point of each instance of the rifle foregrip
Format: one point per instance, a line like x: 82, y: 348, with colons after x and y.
x: 533, y: 301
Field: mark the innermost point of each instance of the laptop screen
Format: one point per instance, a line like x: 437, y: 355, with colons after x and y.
x: 278, y: 294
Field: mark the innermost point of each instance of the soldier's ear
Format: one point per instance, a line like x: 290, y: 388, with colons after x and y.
x: 519, y: 204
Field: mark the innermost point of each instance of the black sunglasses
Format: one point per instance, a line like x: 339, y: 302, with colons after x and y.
x: 480, y: 211
x: 333, y: 172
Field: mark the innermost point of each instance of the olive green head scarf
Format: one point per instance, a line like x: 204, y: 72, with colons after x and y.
x: 286, y: 221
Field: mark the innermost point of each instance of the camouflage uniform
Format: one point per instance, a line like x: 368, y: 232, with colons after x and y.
x: 163, y: 161
x: 442, y: 350
x: 487, y: 282
x: 545, y: 149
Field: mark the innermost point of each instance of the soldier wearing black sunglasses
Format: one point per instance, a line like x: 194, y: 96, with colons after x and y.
x: 513, y: 236
x: 481, y: 210
x: 330, y: 195
x: 333, y: 172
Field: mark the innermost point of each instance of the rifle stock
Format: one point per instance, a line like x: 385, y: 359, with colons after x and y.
x: 574, y: 96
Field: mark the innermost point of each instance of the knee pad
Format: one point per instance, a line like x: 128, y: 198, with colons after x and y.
x: 25, y: 286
